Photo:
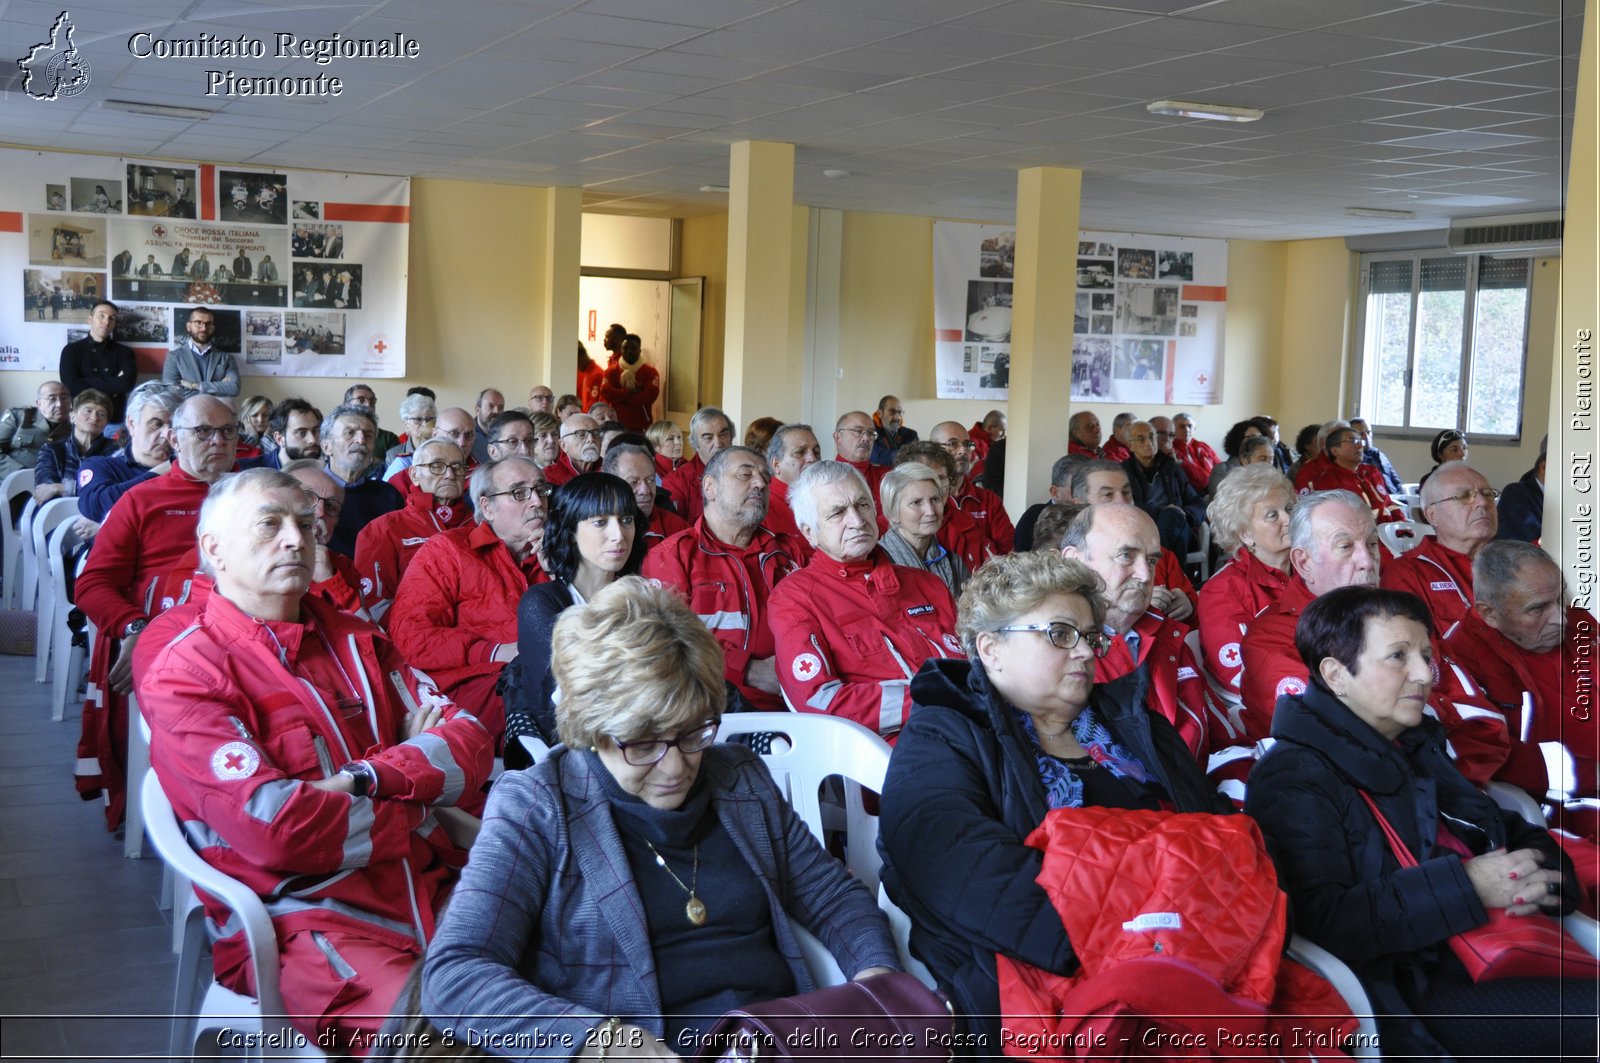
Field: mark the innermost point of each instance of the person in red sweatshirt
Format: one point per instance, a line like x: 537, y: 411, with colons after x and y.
x: 710, y: 430
x: 141, y: 564
x: 333, y: 576
x: 1196, y: 457
x: 632, y: 386
x: 580, y: 450
x: 973, y: 499
x: 1083, y: 435
x: 635, y: 466
x: 386, y: 547
x: 853, y: 435
x: 793, y: 449
x: 1459, y: 503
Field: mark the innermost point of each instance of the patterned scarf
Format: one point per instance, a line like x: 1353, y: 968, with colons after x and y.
x: 1062, y: 787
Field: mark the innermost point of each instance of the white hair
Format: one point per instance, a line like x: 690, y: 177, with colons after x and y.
x: 802, y: 496
x: 217, y: 512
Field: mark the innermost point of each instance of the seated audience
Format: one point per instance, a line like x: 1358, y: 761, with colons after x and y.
x: 546, y: 438
x: 635, y: 465
x: 541, y: 400
x: 1522, y: 640
x: 1522, y: 503
x: 793, y: 449
x: 255, y: 428
x: 141, y: 565
x: 1060, y: 494
x: 1083, y: 435
x: 511, y: 432
x: 419, y: 415
x: 1448, y: 445
x: 1162, y: 490
x: 1116, y: 448
x: 455, y: 613
x: 1233, y: 446
x: 1196, y: 458
x: 852, y: 627
x: 296, y: 431
x: 386, y: 547
x: 634, y: 814
x: 24, y: 430
x: 592, y: 537
x: 1340, y: 469
x: 1103, y: 481
x: 347, y: 434
x: 1250, y: 520
x: 970, y: 497
x: 580, y: 450
x: 667, y: 439
x: 889, y: 431
x: 914, y: 505
x: 148, y: 452
x: 274, y: 789
x: 1119, y: 543
x: 758, y: 436
x: 853, y: 436
x: 1459, y: 503
x: 1356, y: 749
x: 1023, y: 725
x: 710, y: 430
x: 1371, y: 455
x: 333, y: 576
x: 55, y: 472
x: 363, y: 396
x: 631, y: 386
x: 958, y: 533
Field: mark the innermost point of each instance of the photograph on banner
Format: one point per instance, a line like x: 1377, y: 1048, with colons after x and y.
x: 161, y: 191
x: 317, y: 241
x: 227, y: 334
x: 63, y: 296
x: 306, y: 210
x: 97, y: 195
x: 66, y: 241
x: 250, y: 196
x: 55, y: 197
x: 313, y: 333
x: 338, y: 287
x: 198, y: 262
x: 259, y: 323
x: 1091, y: 368
x: 263, y: 352
x: 141, y: 325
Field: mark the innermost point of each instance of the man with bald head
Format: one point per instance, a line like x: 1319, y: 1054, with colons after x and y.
x: 1083, y: 435
x: 142, y: 565
x: 386, y: 546
x: 26, y: 430
x: 891, y: 431
x: 1120, y: 542
x: 1458, y: 501
x: 710, y: 430
x: 853, y: 436
x: 1162, y: 490
x: 580, y: 450
x: 541, y: 399
x: 333, y: 576
x: 978, y: 502
x: 793, y: 448
x: 1101, y: 482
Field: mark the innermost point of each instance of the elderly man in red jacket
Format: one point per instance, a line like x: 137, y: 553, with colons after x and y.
x: 793, y: 449
x: 455, y: 614
x: 852, y: 628
x: 436, y: 503
x: 727, y: 565
x: 635, y: 465
x: 710, y: 430
x: 331, y: 816
x: 140, y: 566
x: 333, y: 576
x: 1459, y: 503
x: 973, y: 499
x: 1341, y: 468
x: 1196, y: 457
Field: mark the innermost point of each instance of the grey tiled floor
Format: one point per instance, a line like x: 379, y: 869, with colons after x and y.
x: 86, y: 967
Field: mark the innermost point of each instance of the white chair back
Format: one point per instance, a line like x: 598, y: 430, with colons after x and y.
x: 46, y: 520
x: 1402, y: 535
x: 1201, y: 555
x: 68, y: 660
x: 1314, y: 956
x: 13, y: 487
x: 27, y: 569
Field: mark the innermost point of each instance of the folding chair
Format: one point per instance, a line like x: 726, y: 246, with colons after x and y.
x: 13, y: 487
x: 46, y: 520
x: 69, y: 660
x: 1402, y: 535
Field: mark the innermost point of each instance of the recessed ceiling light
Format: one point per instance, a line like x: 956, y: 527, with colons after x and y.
x: 158, y: 110
x: 722, y: 189
x: 836, y: 173
x: 1216, y: 112
x: 1379, y: 212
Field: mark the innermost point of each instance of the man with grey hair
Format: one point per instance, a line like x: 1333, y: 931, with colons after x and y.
x: 455, y: 612
x: 347, y: 440
x: 986, y: 508
x: 1334, y: 543
x: 580, y: 449
x: 1162, y: 490
x: 141, y: 565
x: 148, y: 452
x: 853, y: 434
x: 635, y: 465
x: 1103, y: 481
x: 490, y: 403
x: 727, y: 564
x: 794, y: 447
x: 1533, y: 653
x: 363, y: 396
x: 1060, y: 494
x: 852, y: 627
x: 1458, y: 501
x: 273, y: 787
x: 333, y: 576
x: 385, y: 548
x: 1116, y: 448
x: 26, y: 430
x: 1083, y: 435
x: 1339, y: 468
x: 1195, y: 456
x: 710, y: 430
x: 1371, y: 455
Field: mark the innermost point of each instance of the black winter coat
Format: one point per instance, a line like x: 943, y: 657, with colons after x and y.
x: 962, y: 793
x: 1347, y: 892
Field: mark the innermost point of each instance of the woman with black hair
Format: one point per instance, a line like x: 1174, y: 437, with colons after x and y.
x: 1448, y: 445
x: 1232, y: 443
x: 593, y: 536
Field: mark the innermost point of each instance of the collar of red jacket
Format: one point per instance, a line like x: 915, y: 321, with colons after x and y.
x: 231, y: 624
x: 422, y: 501
x: 482, y: 539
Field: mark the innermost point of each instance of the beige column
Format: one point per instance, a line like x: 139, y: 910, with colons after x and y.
x: 1042, y: 292
x: 757, y: 368
x: 556, y: 348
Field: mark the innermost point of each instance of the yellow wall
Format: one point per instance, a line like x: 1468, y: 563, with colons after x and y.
x: 704, y: 253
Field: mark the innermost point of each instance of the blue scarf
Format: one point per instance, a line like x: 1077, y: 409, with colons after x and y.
x: 1062, y: 787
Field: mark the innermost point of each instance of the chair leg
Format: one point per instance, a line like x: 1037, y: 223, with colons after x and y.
x: 138, y: 765
x: 44, y: 633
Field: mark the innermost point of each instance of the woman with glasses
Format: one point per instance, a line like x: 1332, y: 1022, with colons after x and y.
x: 913, y: 499
x: 593, y: 535
x: 436, y: 503
x: 993, y: 743
x: 1449, y: 445
x: 640, y: 881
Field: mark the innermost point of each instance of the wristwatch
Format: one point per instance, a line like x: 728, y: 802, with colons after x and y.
x: 135, y: 626
x: 365, y: 777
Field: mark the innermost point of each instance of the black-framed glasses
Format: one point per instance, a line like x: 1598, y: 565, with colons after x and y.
x: 514, y: 442
x: 643, y: 752
x: 582, y: 433
x: 522, y: 492
x: 1063, y: 636
x: 439, y: 468
x: 1466, y: 495
x: 203, y: 432
x: 959, y: 444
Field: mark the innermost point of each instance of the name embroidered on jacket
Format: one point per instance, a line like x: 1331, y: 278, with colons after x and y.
x: 919, y: 610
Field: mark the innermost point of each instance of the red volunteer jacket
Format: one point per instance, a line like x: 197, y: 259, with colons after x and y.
x: 1272, y: 667
x: 850, y: 636
x: 663, y: 524
x: 1115, y: 451
x: 683, y: 484
x: 343, y: 589
x: 1076, y: 448
x: 1169, y: 573
x: 236, y: 735
x: 962, y: 536
x: 1197, y: 459
x: 980, y: 438
x: 1563, y: 708
x: 561, y: 470
x: 589, y: 381
x: 385, y: 547
x: 989, y: 511
x: 1363, y: 481
x: 1440, y: 576
x: 728, y: 589
x: 633, y: 403
x: 457, y: 604
x: 1229, y: 601
x: 1177, y: 689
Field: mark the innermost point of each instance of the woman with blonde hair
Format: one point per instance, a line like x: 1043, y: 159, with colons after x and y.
x: 1249, y: 518
x: 913, y: 497
x: 667, y: 438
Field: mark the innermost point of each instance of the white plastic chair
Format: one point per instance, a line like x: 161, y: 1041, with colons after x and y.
x: 1342, y: 978
x: 14, y: 486
x: 201, y: 1007
x: 1398, y: 544
x: 68, y: 660
x: 138, y: 768
x: 1202, y: 554
x: 46, y: 520
x: 27, y: 567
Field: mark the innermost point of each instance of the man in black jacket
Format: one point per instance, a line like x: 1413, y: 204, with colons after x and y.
x: 1162, y: 490
x: 98, y: 361
x: 1522, y: 503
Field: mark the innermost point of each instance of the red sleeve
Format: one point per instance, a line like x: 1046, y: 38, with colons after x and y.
x: 1479, y: 738
x: 377, y: 567
x: 447, y: 764
x: 1169, y: 573
x: 678, y: 484
x: 105, y: 588
x: 423, y: 620
x: 808, y: 670
x: 1222, y: 620
x: 1271, y: 667
x: 1002, y: 532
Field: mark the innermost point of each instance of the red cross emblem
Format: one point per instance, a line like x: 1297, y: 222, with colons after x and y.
x: 159, y: 230
x: 806, y: 666
x: 380, y: 346
x: 1201, y: 379
x: 234, y: 761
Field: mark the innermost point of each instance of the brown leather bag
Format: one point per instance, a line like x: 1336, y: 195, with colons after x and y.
x: 885, y: 1016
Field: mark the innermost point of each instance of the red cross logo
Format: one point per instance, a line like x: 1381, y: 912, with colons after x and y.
x: 233, y: 761
x: 159, y: 230
x: 806, y: 666
x: 380, y: 346
x: 1201, y: 378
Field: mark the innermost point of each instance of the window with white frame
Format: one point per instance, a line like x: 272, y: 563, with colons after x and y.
x: 1444, y: 340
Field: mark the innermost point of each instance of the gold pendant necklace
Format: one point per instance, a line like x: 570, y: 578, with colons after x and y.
x: 695, y: 909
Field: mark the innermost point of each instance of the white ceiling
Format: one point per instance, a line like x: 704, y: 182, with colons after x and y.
x: 1448, y: 108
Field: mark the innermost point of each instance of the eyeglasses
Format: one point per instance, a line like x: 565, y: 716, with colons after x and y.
x: 646, y: 751
x: 521, y: 492
x: 516, y: 443
x: 421, y: 420
x: 331, y: 506
x: 1466, y: 495
x: 1063, y: 636
x: 203, y: 432
x: 959, y: 444
x: 439, y: 468
x: 582, y: 433
x: 856, y: 430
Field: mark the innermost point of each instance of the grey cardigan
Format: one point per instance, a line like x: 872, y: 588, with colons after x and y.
x: 219, y: 375
x: 546, y: 931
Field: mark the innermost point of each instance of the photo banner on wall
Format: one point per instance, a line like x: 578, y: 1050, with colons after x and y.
x: 305, y: 271
x: 1147, y: 323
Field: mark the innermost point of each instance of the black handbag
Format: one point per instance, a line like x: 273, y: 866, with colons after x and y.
x: 885, y: 1016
